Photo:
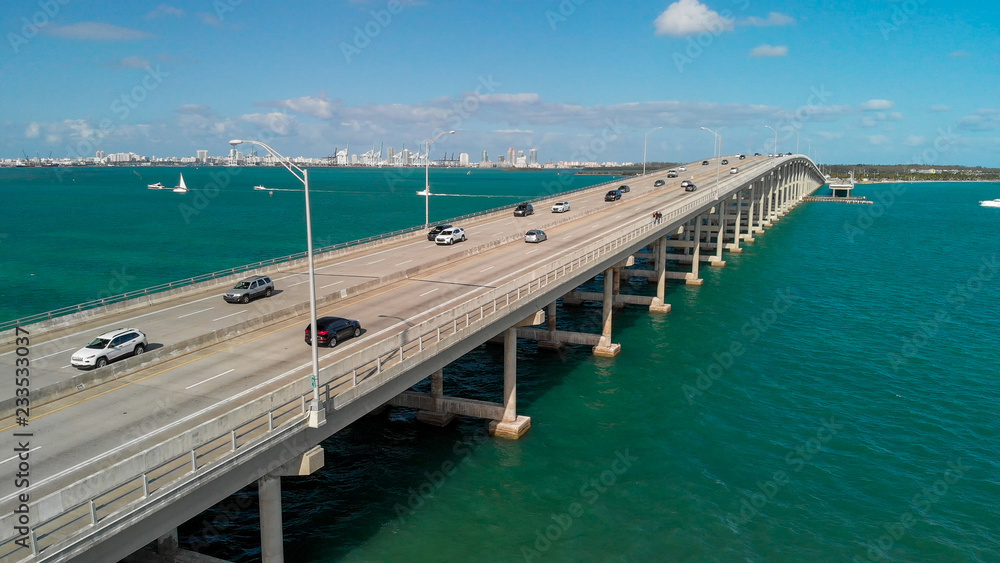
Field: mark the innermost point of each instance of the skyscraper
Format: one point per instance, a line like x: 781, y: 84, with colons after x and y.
x: 202, y: 156
x: 533, y: 157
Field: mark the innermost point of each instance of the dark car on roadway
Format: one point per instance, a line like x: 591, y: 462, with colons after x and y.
x: 658, y: 183
x: 704, y: 163
x: 613, y: 195
x: 523, y: 210
x: 250, y: 288
x: 624, y: 188
x: 331, y: 330
x: 725, y: 161
x: 690, y: 187
x: 433, y: 233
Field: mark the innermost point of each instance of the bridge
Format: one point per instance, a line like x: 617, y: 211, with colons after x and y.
x: 113, y: 460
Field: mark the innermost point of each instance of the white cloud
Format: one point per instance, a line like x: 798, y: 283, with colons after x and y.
x: 164, y: 10
x: 940, y: 108
x: 982, y: 120
x: 319, y: 106
x: 960, y: 54
x: 32, y: 130
x: 878, y: 140
x: 773, y: 19
x: 769, y: 51
x: 877, y: 105
x: 131, y: 62
x: 830, y: 135
x: 508, y: 131
x: 279, y: 123
x: 510, y: 98
x: 868, y: 121
x: 915, y: 141
x: 95, y: 31
x: 688, y: 17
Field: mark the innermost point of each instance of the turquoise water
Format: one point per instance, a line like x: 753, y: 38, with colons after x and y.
x: 829, y: 395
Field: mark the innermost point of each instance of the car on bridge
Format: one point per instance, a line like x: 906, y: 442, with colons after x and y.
x: 660, y: 182
x: 734, y: 170
x: 434, y: 232
x: 535, y: 235
x: 613, y: 195
x: 743, y: 157
x: 451, y: 236
x: 704, y: 163
x: 725, y: 161
x: 523, y: 210
x: 671, y: 173
x: 250, y: 288
x: 690, y: 187
x: 624, y: 188
x: 109, y: 347
x: 331, y: 330
x: 560, y: 207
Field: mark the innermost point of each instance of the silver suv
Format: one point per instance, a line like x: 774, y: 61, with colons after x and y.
x: 110, y: 346
x: 250, y: 288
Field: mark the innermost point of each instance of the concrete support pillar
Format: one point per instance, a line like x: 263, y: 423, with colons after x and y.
x: 551, y: 343
x: 436, y: 417
x: 717, y: 261
x: 167, y: 546
x: 692, y: 277
x: 511, y: 426
x: 271, y: 534
x: 617, y: 280
x: 738, y: 225
x: 605, y: 347
x: 759, y: 223
x: 658, y: 306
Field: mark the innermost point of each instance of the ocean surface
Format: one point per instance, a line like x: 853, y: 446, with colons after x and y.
x: 829, y: 395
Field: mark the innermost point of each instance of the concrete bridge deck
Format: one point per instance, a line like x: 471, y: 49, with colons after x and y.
x: 118, y: 464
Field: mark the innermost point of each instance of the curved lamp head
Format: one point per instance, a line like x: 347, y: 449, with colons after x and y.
x: 235, y: 142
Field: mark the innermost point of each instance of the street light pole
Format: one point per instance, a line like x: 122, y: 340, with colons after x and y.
x: 775, y: 139
x: 796, y: 141
x: 427, y: 183
x: 317, y: 413
x: 718, y: 157
x: 644, y: 148
x: 750, y: 144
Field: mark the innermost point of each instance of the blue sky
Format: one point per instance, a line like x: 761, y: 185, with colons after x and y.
x: 859, y: 81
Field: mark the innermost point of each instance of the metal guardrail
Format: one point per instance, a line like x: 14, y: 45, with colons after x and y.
x: 161, y: 470
x: 145, y: 292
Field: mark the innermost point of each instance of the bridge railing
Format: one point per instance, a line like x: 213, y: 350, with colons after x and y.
x: 185, y: 282
x: 100, y: 500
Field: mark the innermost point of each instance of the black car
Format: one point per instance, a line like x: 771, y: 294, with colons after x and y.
x: 433, y: 233
x: 624, y: 188
x: 690, y: 187
x: 658, y: 183
x: 756, y: 154
x: 725, y: 161
x: 613, y: 195
x: 704, y: 163
x: 334, y: 329
x: 523, y: 210
x: 743, y: 157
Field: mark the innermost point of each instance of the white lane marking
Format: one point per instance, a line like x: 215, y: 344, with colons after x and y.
x: 487, y: 269
x: 500, y: 233
x: 210, y: 379
x: 195, y: 313
x: 567, y: 237
x: 230, y: 315
x: 298, y: 283
x: 17, y: 456
x: 530, y: 251
x: 52, y: 354
x: 67, y: 366
x: 405, y: 262
x: 375, y: 262
x: 430, y: 292
x: 331, y: 284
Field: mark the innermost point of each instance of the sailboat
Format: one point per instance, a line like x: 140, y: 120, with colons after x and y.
x: 182, y: 187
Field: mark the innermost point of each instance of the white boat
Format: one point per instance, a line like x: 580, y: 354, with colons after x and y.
x: 182, y: 187
x: 157, y: 186
x: 991, y: 203
x: 260, y: 187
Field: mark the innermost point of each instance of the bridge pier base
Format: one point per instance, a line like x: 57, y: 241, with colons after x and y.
x: 692, y: 277
x: 605, y: 348
x: 510, y: 426
x: 658, y: 305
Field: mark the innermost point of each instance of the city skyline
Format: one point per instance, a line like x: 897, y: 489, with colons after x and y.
x: 876, y: 81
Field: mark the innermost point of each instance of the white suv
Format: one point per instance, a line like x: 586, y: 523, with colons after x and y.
x: 560, y: 207
x: 110, y: 346
x: 451, y: 236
